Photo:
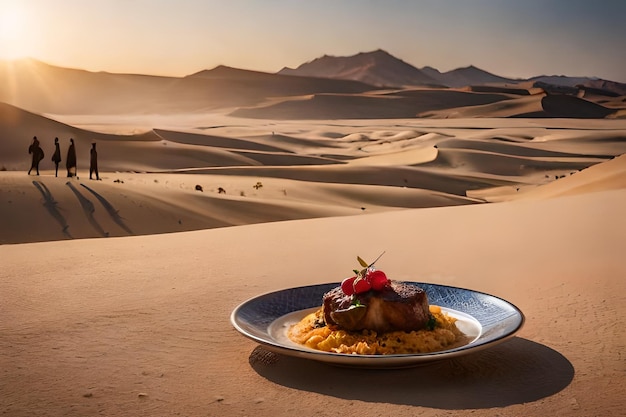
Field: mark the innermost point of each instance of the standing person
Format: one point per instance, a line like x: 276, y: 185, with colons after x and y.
x: 37, y: 152
x: 93, y: 162
x: 56, y: 158
x: 70, y: 161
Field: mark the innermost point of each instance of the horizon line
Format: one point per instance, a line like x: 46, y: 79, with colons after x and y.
x: 95, y: 71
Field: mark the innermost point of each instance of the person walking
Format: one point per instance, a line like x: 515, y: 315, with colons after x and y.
x: 70, y: 161
x: 37, y: 153
x: 93, y: 162
x: 56, y: 157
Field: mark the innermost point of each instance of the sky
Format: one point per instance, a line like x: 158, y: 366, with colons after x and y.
x: 510, y: 38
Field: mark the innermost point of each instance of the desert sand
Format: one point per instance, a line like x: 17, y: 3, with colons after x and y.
x: 116, y: 295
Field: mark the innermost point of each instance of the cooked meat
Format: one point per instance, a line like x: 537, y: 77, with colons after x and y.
x: 399, y: 306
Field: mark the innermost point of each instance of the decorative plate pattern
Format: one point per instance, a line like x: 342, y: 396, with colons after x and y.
x: 486, y: 318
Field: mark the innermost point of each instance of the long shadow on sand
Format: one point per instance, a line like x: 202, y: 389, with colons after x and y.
x: 515, y: 372
x: 113, y: 213
x: 88, y: 209
x: 51, y: 205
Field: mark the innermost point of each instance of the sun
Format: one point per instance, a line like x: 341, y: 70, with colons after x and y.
x: 13, y: 34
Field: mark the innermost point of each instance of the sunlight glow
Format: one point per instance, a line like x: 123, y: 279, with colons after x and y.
x: 13, y: 35
x: 178, y: 38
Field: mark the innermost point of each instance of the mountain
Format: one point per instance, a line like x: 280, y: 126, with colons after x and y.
x: 348, y: 87
x: 466, y: 76
x: 377, y: 68
x: 38, y: 87
x: 42, y: 88
x: 384, y: 70
x: 271, y: 85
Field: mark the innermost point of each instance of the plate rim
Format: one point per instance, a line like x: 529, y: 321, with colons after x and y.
x: 354, y: 359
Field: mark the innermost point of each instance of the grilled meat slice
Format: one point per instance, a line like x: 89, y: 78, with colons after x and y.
x: 400, y: 306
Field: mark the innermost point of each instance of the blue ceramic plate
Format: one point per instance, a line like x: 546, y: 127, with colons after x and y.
x: 486, y: 319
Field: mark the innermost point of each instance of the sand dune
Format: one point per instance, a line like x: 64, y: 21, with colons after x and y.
x: 46, y: 89
x: 433, y: 103
x: 397, y: 104
x: 271, y: 171
x: 17, y: 128
x: 569, y: 106
x: 116, y: 293
x: 514, y: 107
x: 220, y: 186
x: 610, y: 175
x: 79, y: 209
x: 125, y: 204
x: 139, y: 325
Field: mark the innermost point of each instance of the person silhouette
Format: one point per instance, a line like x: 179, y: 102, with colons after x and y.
x: 56, y: 157
x: 70, y: 161
x: 93, y: 162
x: 37, y: 153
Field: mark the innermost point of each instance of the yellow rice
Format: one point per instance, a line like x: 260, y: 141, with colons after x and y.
x: 444, y: 336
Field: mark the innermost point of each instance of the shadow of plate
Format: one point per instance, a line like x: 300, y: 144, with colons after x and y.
x: 515, y: 372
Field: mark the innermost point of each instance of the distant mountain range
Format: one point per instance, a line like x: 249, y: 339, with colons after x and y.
x: 366, y: 85
x: 38, y: 87
x: 376, y: 68
x: 379, y: 68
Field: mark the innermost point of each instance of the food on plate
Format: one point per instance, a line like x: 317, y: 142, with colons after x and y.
x: 370, y: 314
x: 396, y: 306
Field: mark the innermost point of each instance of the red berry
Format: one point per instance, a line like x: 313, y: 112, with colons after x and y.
x: 362, y: 286
x: 347, y: 286
x: 378, y: 280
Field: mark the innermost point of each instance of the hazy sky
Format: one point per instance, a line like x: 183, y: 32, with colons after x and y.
x: 513, y: 38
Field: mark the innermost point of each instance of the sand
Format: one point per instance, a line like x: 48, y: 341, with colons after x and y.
x: 140, y: 325
x: 115, y: 295
x: 186, y: 174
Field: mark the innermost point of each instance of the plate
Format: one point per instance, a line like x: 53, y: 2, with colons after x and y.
x: 486, y: 319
